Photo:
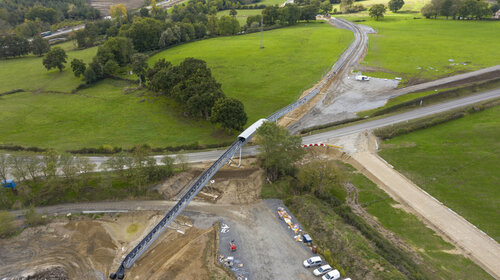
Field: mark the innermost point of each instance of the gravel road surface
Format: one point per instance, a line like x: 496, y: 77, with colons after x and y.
x: 478, y: 246
x: 265, y: 244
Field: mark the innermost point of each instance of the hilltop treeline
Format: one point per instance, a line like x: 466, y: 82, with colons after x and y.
x: 30, y: 17
x: 459, y: 9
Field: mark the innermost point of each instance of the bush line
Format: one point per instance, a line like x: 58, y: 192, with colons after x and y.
x: 410, y: 126
x: 457, y: 92
x: 109, y: 150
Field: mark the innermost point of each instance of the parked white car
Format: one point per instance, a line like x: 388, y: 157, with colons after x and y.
x: 322, y: 270
x: 313, y: 261
x: 332, y: 275
x: 362, y: 78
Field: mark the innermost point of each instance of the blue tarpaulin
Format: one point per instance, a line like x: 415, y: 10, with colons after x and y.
x: 8, y: 184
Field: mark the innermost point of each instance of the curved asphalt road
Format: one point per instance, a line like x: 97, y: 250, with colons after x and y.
x: 353, y: 129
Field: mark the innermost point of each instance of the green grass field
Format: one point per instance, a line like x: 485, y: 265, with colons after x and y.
x: 420, y: 49
x: 271, y: 2
x: 29, y: 73
x: 456, y: 162
x: 242, y: 15
x: 48, y: 115
x: 270, y: 78
x: 101, y: 115
x: 437, y: 254
x: 409, y: 6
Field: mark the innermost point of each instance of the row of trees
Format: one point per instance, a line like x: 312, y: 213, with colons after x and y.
x: 115, y: 53
x: 192, y: 85
x: 15, y: 46
x: 290, y: 14
x: 45, y: 178
x: 30, y: 13
x: 464, y: 9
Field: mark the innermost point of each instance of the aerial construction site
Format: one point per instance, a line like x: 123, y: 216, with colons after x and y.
x: 360, y: 176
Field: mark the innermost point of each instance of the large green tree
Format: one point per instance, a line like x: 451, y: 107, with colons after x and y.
x: 228, y: 26
x: 39, y: 46
x: 309, y: 12
x: 139, y: 66
x: 290, y: 14
x: 270, y: 14
x: 377, y: 11
x: 55, y: 58
x: 119, y: 49
x: 326, y: 7
x: 145, y: 33
x: 78, y: 67
x: 230, y: 113
x: 396, y: 5
x: 278, y: 150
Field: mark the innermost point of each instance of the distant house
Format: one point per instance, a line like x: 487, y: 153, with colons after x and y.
x: 497, y: 15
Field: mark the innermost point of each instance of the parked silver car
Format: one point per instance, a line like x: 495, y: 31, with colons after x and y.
x: 313, y: 261
x: 322, y: 270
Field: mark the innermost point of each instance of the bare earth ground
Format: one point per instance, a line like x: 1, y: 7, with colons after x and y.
x: 360, y: 151
x: 86, y: 248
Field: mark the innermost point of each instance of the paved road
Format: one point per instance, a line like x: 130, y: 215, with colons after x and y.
x: 59, y: 33
x: 368, y: 125
x: 478, y: 246
x: 410, y: 115
x: 444, y: 81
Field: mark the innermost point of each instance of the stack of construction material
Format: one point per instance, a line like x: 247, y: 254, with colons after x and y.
x: 288, y: 220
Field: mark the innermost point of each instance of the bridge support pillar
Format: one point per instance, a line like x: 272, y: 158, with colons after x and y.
x: 239, y: 163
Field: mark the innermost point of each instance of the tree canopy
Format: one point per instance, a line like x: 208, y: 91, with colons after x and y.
x: 464, y: 9
x: 377, y: 11
x: 55, y: 58
x: 278, y: 150
x: 78, y: 67
x: 230, y: 113
x: 39, y: 46
x: 145, y: 33
x: 396, y: 5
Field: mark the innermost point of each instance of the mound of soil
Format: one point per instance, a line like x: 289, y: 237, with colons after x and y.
x: 53, y: 273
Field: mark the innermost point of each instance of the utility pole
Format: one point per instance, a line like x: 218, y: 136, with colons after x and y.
x: 261, y: 31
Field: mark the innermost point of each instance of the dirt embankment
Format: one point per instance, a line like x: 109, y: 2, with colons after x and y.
x: 87, y: 248
x: 231, y: 185
x: 90, y: 247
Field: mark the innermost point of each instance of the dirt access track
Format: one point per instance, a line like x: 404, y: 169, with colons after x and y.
x: 360, y: 151
x: 92, y: 248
